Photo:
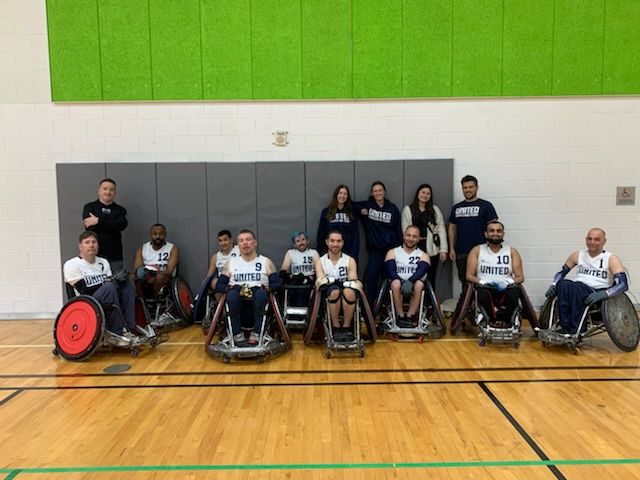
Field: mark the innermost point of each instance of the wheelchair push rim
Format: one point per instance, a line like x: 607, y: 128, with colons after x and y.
x: 79, y: 328
x: 183, y: 299
x: 621, y: 321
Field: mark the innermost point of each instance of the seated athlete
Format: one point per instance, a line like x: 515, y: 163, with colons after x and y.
x: 333, y: 269
x: 493, y: 267
x: 298, y: 268
x: 600, y: 275
x: 156, y: 261
x: 246, y: 279
x: 407, y: 267
x: 91, y: 275
x: 218, y: 259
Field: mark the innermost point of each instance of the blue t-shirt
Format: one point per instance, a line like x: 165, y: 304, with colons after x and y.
x: 470, y: 219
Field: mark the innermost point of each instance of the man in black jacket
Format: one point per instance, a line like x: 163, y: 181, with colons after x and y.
x: 107, y: 219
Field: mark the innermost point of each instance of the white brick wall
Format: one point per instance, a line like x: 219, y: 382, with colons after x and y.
x: 549, y: 165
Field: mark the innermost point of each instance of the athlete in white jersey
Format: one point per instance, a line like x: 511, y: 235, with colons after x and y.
x: 246, y: 279
x: 407, y: 267
x: 600, y: 275
x: 333, y: 269
x: 493, y: 267
x: 89, y: 274
x: 299, y: 268
x: 155, y: 262
x: 218, y: 259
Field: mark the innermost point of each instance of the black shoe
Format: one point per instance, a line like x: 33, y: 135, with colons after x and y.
x: 338, y: 334
x: 348, y: 336
x: 404, y: 322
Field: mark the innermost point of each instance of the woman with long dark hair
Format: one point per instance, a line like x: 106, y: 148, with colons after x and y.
x: 428, y: 218
x: 340, y: 216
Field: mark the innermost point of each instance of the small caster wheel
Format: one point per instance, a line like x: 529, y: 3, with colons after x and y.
x: 482, y: 342
x: 516, y: 344
x: 327, y: 354
x: 261, y: 358
x: 420, y: 338
x: 394, y: 338
x: 573, y: 349
x: 55, y: 352
x: 226, y: 359
x: 362, y: 352
x: 134, y: 352
x: 545, y: 344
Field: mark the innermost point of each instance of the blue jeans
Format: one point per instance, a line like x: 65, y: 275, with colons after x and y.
x: 246, y: 312
x: 571, y: 297
x: 122, y: 295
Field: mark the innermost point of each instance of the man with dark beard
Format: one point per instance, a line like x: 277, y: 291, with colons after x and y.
x: 494, y: 267
x: 155, y: 263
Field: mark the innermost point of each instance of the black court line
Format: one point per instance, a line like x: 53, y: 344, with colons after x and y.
x: 523, y: 433
x: 315, y: 384
x: 13, y: 395
x: 316, y: 372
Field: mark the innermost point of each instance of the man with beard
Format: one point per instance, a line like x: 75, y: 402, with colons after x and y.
x: 407, y: 266
x: 155, y: 262
x: 467, y: 224
x: 298, y: 268
x: 494, y: 267
x: 600, y: 275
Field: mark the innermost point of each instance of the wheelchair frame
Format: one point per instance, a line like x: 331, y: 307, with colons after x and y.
x: 175, y: 301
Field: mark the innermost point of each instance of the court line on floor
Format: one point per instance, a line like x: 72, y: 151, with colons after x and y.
x: 320, y: 372
x: 316, y: 384
x: 9, y: 397
x: 520, y: 429
x: 14, y: 472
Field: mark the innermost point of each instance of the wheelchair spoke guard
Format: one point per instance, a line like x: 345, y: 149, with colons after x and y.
x: 621, y: 321
x: 79, y: 328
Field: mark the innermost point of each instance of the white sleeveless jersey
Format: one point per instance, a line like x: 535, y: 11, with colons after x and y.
x: 494, y: 267
x: 303, y: 262
x: 251, y: 274
x: 339, y: 270
x: 594, y: 271
x: 158, y: 259
x: 221, y: 258
x: 93, y: 274
x: 407, y: 263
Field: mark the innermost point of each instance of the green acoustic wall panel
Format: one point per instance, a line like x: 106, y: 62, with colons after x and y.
x: 176, y: 55
x: 528, y: 47
x: 577, y: 51
x: 622, y: 47
x: 426, y: 48
x: 74, y: 47
x: 226, y: 49
x: 477, y: 48
x: 125, y: 49
x: 377, y: 48
x: 326, y: 49
x: 276, y: 49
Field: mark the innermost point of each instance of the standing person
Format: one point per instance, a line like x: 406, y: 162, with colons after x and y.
x: 467, y: 224
x: 381, y: 220
x: 428, y: 218
x: 107, y: 219
x: 340, y: 215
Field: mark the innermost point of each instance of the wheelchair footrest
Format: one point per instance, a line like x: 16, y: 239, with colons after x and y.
x: 296, y: 311
x: 557, y: 338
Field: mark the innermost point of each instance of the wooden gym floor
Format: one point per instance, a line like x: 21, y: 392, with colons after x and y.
x: 445, y: 409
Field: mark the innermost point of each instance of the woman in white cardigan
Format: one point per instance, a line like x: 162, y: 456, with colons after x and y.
x: 428, y: 218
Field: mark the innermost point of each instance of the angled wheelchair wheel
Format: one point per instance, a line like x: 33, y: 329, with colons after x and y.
x: 142, y: 312
x: 544, y: 320
x: 621, y: 321
x: 79, y: 328
x: 436, y: 314
x: 182, y: 298
x: 199, y: 309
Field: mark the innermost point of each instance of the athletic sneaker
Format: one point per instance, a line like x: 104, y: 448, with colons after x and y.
x: 240, y: 340
x: 404, y: 322
x: 254, y: 338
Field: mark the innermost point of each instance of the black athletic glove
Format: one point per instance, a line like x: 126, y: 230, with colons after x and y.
x: 595, y: 297
x: 551, y: 291
x: 121, y: 276
x: 406, y: 288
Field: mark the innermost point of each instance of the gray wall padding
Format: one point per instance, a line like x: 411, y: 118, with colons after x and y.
x: 196, y: 200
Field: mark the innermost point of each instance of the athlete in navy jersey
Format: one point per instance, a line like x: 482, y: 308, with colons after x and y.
x: 107, y: 219
x: 493, y: 267
x: 340, y: 215
x: 381, y: 220
x: 600, y: 275
x: 467, y: 223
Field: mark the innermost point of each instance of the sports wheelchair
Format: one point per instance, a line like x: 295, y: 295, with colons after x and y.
x: 172, y: 309
x: 498, y: 330
x: 318, y: 331
x: 80, y: 329
x: 615, y: 315
x: 294, y: 317
x: 273, y: 339
x: 430, y: 321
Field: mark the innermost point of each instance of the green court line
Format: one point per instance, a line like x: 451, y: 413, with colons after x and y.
x: 14, y: 472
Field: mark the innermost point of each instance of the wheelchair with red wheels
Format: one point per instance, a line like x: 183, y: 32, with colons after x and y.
x: 272, y: 340
x: 615, y: 315
x: 81, y: 328
x: 429, y: 321
x: 172, y: 309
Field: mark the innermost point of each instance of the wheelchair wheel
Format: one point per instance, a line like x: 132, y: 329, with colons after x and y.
x: 436, y: 313
x: 182, y: 298
x: 142, y: 312
x: 621, y: 321
x: 544, y: 321
x: 79, y: 328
